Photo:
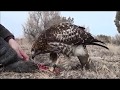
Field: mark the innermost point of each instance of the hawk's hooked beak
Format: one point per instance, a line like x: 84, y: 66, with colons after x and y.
x: 34, y: 53
x: 33, y: 56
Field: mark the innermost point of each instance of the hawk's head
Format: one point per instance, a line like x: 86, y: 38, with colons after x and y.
x: 36, y: 49
x: 39, y: 46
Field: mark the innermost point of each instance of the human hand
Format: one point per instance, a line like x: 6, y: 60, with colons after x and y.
x: 18, y: 49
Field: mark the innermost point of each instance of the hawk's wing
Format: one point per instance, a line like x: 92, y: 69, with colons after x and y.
x: 68, y: 33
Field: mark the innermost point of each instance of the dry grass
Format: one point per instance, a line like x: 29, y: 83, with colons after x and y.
x: 105, y: 64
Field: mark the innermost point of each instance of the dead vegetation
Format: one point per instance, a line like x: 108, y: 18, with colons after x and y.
x: 104, y: 65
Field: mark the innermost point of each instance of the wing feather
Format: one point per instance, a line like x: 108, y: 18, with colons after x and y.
x: 68, y: 33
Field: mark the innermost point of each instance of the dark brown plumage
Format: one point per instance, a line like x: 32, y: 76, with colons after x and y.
x: 65, y: 38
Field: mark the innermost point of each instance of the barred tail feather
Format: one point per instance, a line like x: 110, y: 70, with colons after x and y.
x: 99, y: 45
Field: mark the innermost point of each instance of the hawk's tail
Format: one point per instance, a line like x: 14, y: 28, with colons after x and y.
x: 94, y: 43
x: 99, y: 45
x: 95, y: 40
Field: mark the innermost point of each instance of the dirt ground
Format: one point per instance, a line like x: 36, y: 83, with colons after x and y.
x: 104, y: 65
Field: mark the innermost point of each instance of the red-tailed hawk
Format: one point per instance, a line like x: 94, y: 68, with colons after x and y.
x: 65, y: 38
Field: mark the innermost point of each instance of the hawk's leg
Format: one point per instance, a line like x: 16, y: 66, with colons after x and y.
x: 53, y: 58
x: 83, y: 57
x: 84, y: 60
